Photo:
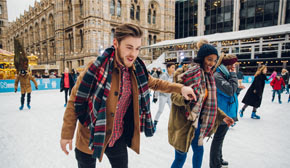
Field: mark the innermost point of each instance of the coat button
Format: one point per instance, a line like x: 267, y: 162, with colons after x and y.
x: 116, y: 93
x: 112, y: 114
x: 109, y: 131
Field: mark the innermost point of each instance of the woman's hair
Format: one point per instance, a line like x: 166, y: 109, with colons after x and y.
x: 284, y: 70
x: 169, y: 64
x: 201, y: 42
x: 260, y: 70
x: 126, y: 30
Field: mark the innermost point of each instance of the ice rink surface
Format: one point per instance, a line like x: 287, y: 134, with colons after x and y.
x: 30, y: 138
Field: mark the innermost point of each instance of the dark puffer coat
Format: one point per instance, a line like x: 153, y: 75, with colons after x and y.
x: 254, y: 94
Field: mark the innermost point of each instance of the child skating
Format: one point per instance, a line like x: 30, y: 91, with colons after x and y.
x: 277, y: 84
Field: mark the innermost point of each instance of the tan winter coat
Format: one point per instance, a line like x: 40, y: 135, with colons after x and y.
x: 180, y: 130
x: 83, y: 133
x: 25, y: 85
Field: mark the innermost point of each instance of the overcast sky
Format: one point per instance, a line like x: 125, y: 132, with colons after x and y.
x: 17, y: 7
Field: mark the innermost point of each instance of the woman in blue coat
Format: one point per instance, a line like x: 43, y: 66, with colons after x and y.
x: 227, y: 84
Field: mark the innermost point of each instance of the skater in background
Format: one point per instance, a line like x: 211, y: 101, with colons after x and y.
x: 66, y: 84
x: 285, y: 76
x: 24, y: 77
x: 164, y: 98
x: 277, y: 83
x: 154, y: 69
x: 157, y: 75
x: 227, y: 100
x: 46, y: 74
x: 74, y: 75
x: 254, y: 94
x: 191, y: 121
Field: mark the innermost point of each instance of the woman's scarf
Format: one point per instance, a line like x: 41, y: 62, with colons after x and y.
x: 203, y: 109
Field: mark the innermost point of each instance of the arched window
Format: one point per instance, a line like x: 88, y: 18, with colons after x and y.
x: 0, y: 31
x: 132, y: 11
x: 119, y: 8
x: 149, y: 16
x: 81, y: 7
x: 51, y: 25
x: 112, y: 36
x: 43, y: 29
x: 70, y: 37
x: 154, y: 17
x: 135, y: 12
x: 36, y: 32
x: 154, y: 39
x: 0, y: 9
x: 112, y: 7
x: 152, y: 14
x: 82, y: 39
x: 138, y: 13
x: 149, y: 39
x: 69, y: 9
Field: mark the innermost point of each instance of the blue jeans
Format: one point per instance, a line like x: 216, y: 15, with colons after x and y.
x: 287, y: 88
x: 279, y: 95
x: 180, y: 157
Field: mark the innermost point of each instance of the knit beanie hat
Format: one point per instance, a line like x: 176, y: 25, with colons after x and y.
x: 205, y: 49
x: 229, y: 60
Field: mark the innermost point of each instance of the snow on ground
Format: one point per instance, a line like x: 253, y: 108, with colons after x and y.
x: 30, y: 138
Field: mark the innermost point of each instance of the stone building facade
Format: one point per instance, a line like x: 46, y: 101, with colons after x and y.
x: 3, y: 22
x: 69, y: 33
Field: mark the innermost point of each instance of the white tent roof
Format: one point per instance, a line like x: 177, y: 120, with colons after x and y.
x: 158, y: 63
x: 243, y: 34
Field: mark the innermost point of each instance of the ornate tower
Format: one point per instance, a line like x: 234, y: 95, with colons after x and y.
x: 3, y: 22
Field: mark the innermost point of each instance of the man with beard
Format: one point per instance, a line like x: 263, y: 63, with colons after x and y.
x: 111, y: 98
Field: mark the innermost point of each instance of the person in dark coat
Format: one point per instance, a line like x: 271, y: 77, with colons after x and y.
x: 254, y: 94
x: 227, y: 100
x: 66, y: 83
x: 285, y: 76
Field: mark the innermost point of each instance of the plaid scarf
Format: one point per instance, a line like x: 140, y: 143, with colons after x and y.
x: 203, y: 110
x: 93, y: 92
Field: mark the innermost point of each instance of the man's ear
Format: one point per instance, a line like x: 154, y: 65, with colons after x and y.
x: 115, y: 43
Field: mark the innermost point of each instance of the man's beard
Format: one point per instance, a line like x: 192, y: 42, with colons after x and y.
x: 119, y: 57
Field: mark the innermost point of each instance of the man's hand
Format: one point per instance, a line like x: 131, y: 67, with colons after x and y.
x: 63, y: 143
x: 229, y: 121
x: 15, y: 90
x: 188, y: 93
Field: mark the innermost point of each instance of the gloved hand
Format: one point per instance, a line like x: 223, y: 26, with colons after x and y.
x: 155, y: 100
x: 36, y: 87
x: 15, y: 90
